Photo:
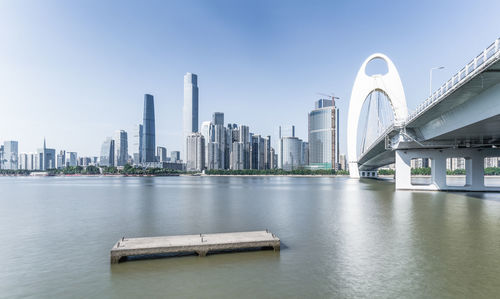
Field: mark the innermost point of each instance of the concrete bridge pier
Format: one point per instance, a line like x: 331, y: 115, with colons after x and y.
x: 368, y: 173
x: 474, y: 168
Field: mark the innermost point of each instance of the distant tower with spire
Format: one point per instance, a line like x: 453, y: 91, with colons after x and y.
x: 46, y: 157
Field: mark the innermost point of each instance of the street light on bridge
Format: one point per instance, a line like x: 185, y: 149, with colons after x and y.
x: 430, y: 78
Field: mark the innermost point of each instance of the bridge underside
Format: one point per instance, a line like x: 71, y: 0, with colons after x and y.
x: 474, y: 178
x: 377, y: 157
x: 468, y: 116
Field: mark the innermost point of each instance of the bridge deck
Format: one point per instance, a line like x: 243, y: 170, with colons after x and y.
x: 201, y: 244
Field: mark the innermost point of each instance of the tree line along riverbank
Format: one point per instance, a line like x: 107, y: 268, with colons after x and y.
x: 276, y: 172
x: 94, y: 170
x: 141, y: 171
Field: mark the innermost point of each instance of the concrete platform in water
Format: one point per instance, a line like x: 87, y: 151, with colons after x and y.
x: 200, y: 244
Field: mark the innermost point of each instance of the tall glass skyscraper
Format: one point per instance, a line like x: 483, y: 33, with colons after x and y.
x: 292, y: 153
x: 107, y: 153
x: 324, y: 135
x: 121, y: 148
x: 138, y: 143
x: 148, y: 137
x: 190, y: 108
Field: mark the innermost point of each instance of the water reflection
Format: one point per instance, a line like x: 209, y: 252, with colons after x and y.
x: 342, y: 238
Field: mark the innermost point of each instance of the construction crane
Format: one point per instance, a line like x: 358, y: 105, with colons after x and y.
x: 331, y: 96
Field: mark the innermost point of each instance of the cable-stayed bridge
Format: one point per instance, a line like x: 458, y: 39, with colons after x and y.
x: 460, y: 119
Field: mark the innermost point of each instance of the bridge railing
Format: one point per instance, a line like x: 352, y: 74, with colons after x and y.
x: 467, y: 72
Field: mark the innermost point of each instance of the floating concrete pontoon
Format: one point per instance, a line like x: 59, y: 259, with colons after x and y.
x: 201, y: 244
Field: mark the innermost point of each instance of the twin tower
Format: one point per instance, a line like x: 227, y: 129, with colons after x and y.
x: 147, y: 139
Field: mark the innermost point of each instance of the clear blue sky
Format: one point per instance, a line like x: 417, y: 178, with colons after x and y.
x: 76, y: 71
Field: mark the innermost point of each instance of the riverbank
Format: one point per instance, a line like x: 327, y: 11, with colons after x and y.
x: 89, y: 175
x: 276, y: 175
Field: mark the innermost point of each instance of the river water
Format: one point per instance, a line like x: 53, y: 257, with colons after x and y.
x: 341, y: 238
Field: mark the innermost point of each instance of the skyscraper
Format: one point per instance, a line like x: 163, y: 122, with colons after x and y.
x: 107, y: 153
x: 305, y: 153
x: 324, y: 135
x: 61, y: 159
x: 121, y: 148
x: 195, y: 154
x: 267, y: 153
x: 46, y: 157
x: 257, y: 152
x: 217, y: 143
x: 207, y: 129
x: 244, y: 138
x: 292, y: 153
x: 190, y: 108
x: 138, y: 144
x: 148, y: 136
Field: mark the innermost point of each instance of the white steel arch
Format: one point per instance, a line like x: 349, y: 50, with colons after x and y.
x: 390, y: 84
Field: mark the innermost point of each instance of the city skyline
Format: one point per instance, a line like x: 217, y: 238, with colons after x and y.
x: 253, y: 60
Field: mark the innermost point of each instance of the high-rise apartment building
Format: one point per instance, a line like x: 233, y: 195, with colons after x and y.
x: 85, y: 161
x: 61, y: 159
x: 257, y: 152
x: 324, y: 135
x: 175, y: 156
x: 244, y: 139
x: 138, y: 144
x: 161, y: 154
x: 148, y: 136
x: 217, y: 143
x: 71, y: 159
x: 10, y: 155
x: 491, y: 162
x: 207, y: 130
x: 121, y: 148
x: 305, y: 153
x: 195, y: 146
x: 267, y: 153
x: 274, y: 159
x: 343, y: 162
x: 190, y: 108
x: 27, y: 161
x: 31, y: 161
x: 455, y: 163
x: 237, y: 156
x: 23, y: 161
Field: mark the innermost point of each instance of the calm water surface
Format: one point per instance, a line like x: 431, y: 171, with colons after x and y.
x: 341, y: 238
